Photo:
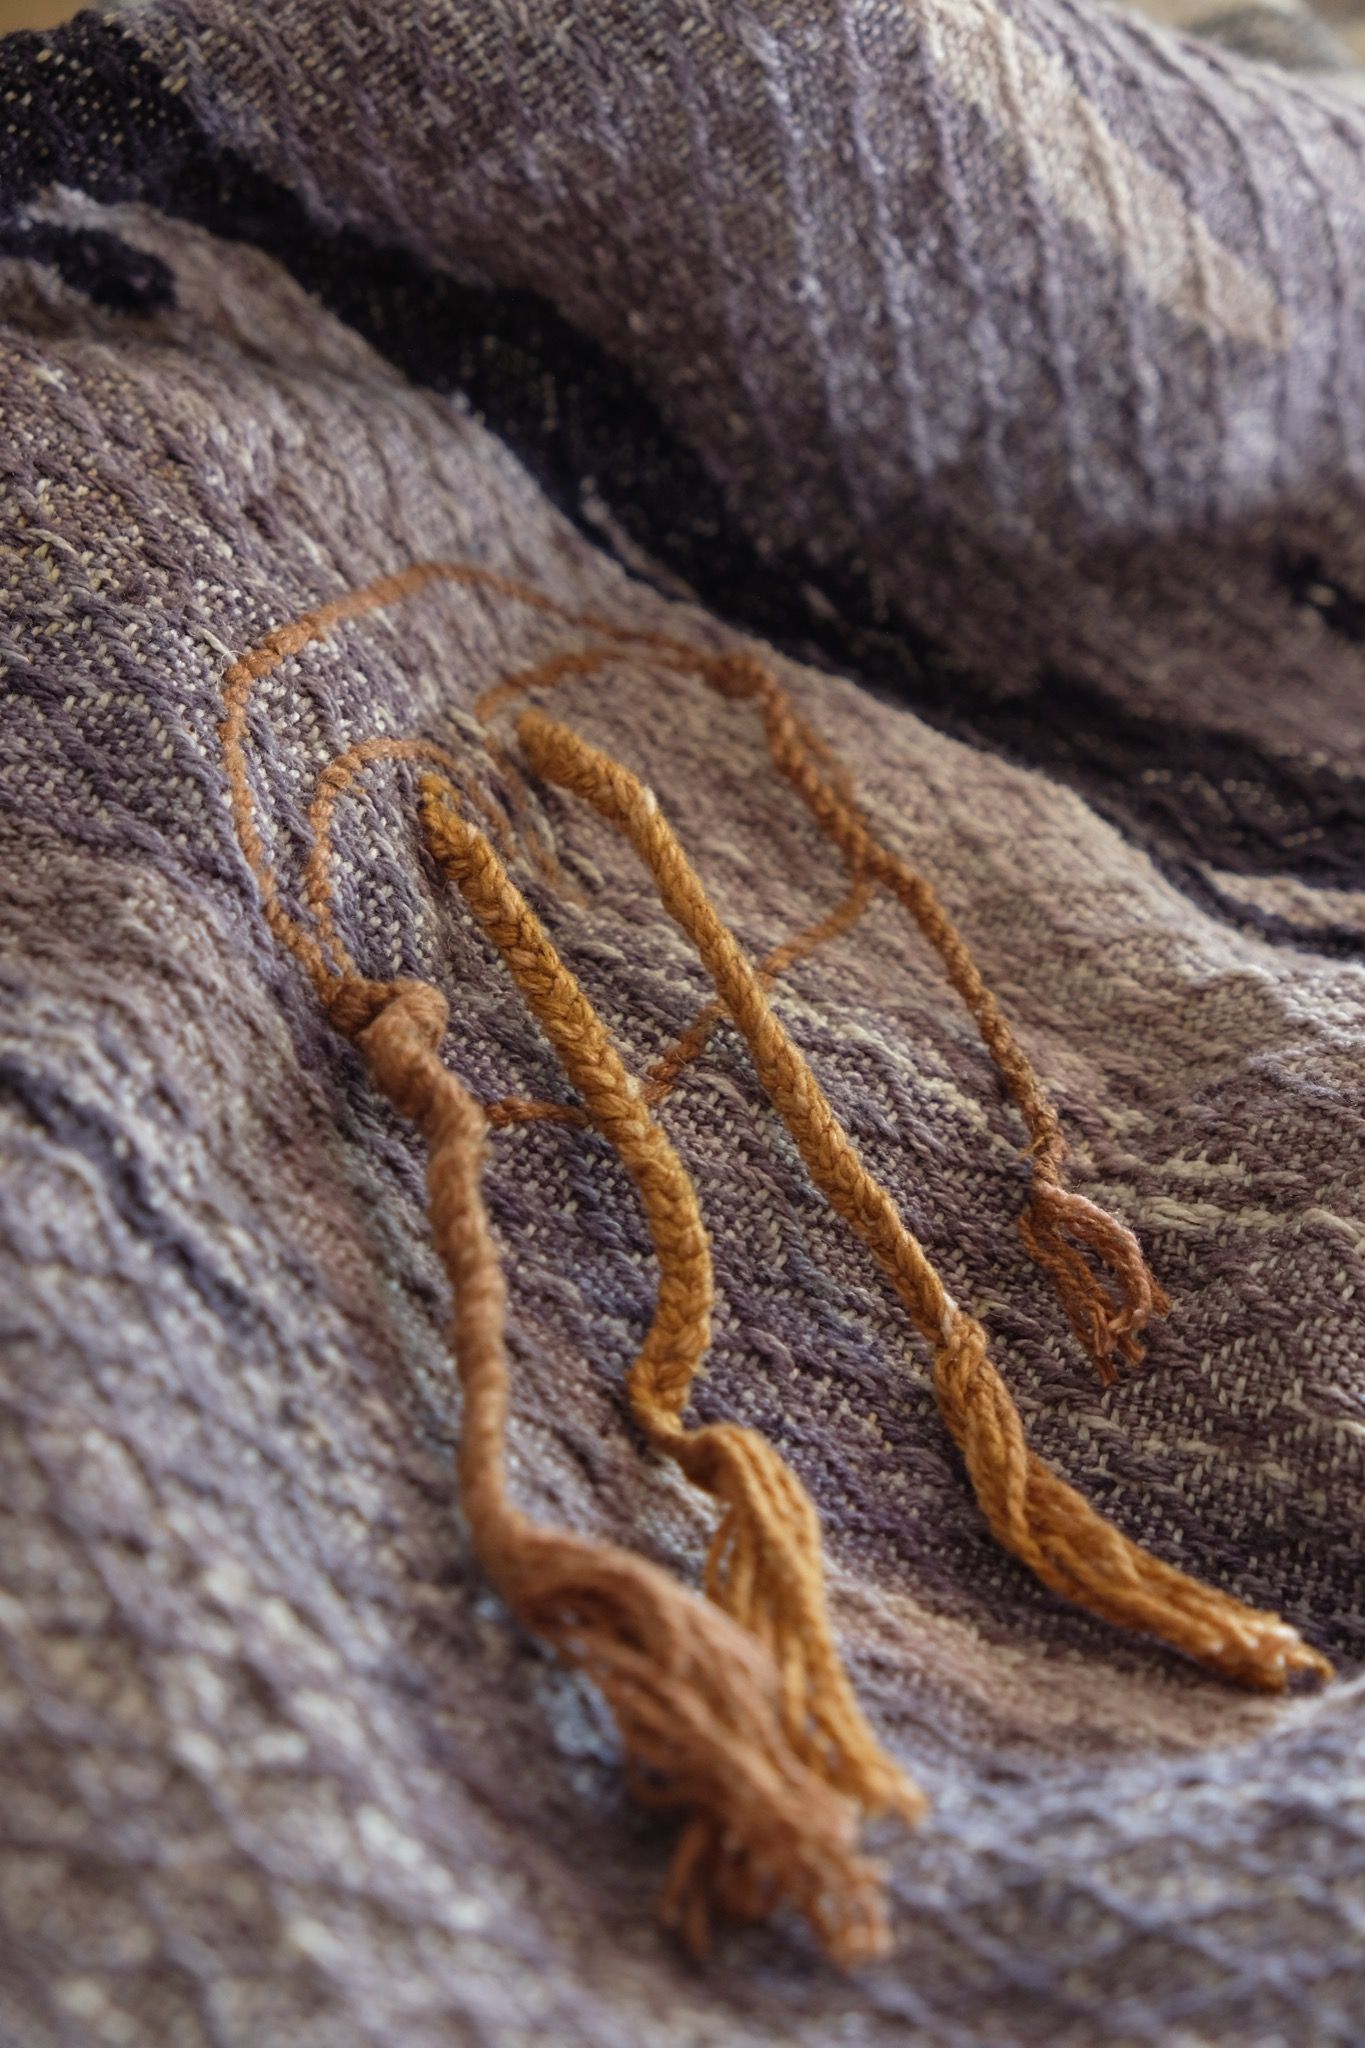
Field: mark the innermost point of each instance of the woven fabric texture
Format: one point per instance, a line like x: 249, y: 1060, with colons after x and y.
x: 998, y: 371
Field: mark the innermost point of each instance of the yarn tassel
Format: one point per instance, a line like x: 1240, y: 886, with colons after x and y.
x: 697, y: 1701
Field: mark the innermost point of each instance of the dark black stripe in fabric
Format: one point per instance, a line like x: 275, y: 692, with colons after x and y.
x: 1308, y: 583
x: 107, y: 270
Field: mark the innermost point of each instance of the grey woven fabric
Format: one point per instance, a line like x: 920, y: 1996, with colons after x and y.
x: 1007, y: 360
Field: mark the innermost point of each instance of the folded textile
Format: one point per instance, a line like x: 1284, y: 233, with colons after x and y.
x: 663, y: 666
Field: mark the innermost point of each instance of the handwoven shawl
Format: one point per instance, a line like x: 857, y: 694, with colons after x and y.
x: 983, y: 381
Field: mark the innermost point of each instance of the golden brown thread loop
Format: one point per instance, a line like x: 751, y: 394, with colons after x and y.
x: 705, y: 1719
x: 1032, y: 1512
x: 765, y: 1564
x: 335, y: 781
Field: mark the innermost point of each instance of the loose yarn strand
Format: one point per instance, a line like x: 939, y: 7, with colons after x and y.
x: 696, y: 1699
x: 765, y: 1565
x: 1033, y: 1513
x: 1060, y: 1227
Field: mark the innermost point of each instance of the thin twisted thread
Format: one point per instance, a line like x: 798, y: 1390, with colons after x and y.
x: 1043, y: 1521
x: 334, y: 782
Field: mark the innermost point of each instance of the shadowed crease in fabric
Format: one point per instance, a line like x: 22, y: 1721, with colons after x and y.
x: 736, y: 1712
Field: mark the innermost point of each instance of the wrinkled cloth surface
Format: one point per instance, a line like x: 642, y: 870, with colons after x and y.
x: 1001, y: 369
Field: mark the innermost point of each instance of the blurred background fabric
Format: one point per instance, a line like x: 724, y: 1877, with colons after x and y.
x: 33, y: 13
x: 1307, y: 35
